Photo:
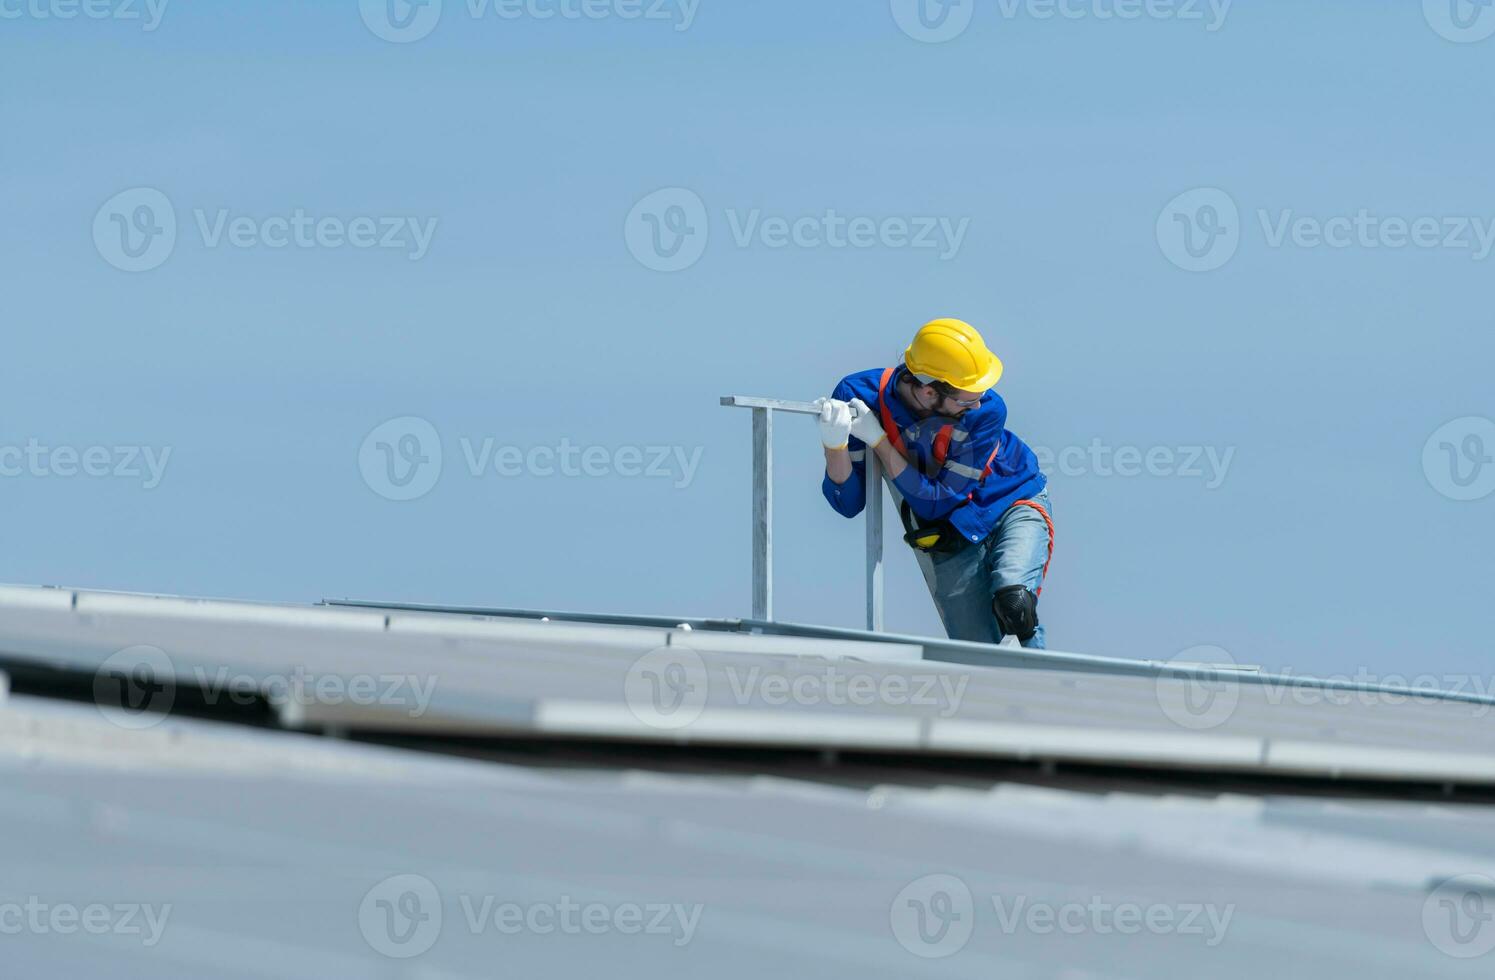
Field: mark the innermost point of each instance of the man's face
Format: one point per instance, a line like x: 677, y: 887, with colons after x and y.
x: 954, y: 403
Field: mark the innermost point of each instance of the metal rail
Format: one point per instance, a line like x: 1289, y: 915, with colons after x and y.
x: 962, y: 652
x: 763, y: 410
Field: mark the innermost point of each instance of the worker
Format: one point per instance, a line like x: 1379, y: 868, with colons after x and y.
x: 974, y: 504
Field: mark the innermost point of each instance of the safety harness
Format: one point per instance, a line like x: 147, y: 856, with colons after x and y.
x: 941, y: 537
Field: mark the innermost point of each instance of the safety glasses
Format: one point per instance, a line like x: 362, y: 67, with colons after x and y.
x: 943, y: 391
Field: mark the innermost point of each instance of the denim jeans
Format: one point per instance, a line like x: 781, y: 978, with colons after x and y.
x: 964, y: 583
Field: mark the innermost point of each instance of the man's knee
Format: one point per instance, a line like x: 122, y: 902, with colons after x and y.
x: 1016, y: 609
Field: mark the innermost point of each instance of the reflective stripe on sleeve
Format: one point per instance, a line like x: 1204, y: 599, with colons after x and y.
x: 969, y: 472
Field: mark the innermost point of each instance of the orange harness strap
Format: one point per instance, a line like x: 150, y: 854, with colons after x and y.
x: 942, y: 451
x: 1050, y: 522
x: 888, y: 425
x: 941, y: 439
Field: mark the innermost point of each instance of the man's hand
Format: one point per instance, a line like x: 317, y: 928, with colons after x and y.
x: 865, y: 424
x: 835, y: 423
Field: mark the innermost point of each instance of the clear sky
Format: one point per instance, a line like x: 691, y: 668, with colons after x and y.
x: 452, y: 226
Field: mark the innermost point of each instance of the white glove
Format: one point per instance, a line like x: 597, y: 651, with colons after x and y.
x: 835, y: 423
x: 865, y: 424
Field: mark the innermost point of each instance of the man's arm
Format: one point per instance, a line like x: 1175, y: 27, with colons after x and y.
x: 893, y: 462
x: 933, y: 499
x: 838, y: 464
x: 844, y: 487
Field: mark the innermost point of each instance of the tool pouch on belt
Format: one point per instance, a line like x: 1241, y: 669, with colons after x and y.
x: 933, y: 537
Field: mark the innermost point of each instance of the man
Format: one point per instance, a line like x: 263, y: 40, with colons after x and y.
x: 973, y: 501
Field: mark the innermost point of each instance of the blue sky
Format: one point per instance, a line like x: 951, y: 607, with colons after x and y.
x: 522, y: 145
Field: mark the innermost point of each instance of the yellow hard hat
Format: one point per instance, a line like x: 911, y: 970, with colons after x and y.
x: 953, y: 352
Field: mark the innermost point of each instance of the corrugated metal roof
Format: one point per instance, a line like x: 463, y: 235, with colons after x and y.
x: 486, y: 675
x: 249, y: 851
x: 269, y: 854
